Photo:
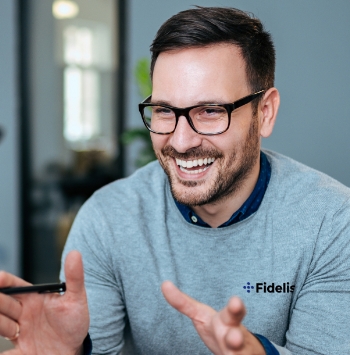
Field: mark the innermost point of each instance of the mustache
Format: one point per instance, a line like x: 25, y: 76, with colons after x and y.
x: 190, y: 154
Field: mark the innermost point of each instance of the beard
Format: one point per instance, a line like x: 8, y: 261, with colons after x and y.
x: 230, y: 176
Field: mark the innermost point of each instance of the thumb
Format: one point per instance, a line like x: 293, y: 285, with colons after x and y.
x: 74, y: 272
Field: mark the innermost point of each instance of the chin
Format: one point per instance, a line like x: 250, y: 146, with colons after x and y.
x: 189, y: 196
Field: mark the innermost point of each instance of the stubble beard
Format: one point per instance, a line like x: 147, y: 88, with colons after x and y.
x: 229, y: 179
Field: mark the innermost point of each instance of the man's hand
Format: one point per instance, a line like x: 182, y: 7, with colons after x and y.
x: 222, y: 332
x: 48, y: 323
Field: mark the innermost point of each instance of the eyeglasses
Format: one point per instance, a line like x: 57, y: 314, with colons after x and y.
x: 208, y: 119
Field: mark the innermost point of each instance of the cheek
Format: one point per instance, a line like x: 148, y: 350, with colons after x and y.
x: 241, y: 120
x: 237, y: 135
x: 227, y: 143
x: 158, y: 141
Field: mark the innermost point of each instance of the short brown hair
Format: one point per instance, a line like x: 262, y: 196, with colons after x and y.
x: 205, y: 26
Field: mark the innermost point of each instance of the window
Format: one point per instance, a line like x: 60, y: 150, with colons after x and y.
x: 81, y: 86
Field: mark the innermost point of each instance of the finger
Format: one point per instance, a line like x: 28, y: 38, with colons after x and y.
x: 185, y: 304
x: 8, y: 327
x: 9, y: 280
x: 10, y: 307
x: 233, y: 313
x: 234, y: 339
x: 74, y: 272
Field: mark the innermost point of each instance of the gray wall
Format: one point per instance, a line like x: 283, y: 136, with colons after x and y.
x: 313, y: 56
x: 9, y: 173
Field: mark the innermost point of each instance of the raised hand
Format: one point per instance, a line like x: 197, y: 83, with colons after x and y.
x: 222, y: 332
x: 46, y: 323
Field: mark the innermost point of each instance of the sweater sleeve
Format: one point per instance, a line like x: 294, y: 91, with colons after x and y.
x: 319, y: 321
x: 105, y: 301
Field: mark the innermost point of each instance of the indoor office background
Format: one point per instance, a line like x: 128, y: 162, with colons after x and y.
x: 51, y: 162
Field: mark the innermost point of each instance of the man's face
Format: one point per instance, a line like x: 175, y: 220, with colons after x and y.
x: 188, y: 77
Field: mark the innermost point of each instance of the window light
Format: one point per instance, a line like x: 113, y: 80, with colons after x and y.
x: 63, y: 9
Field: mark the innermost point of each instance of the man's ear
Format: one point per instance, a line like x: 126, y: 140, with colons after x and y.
x: 268, y: 109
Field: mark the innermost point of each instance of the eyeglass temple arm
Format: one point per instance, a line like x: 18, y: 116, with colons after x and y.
x: 247, y: 99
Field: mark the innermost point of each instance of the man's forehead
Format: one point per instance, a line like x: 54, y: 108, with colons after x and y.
x: 223, y: 50
x: 201, y: 74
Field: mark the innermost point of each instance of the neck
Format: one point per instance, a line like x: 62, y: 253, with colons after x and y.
x: 219, y: 212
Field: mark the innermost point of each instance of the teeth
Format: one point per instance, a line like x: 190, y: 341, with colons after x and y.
x: 193, y: 171
x: 194, y: 163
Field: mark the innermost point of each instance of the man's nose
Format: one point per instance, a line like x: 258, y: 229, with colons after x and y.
x: 184, y: 136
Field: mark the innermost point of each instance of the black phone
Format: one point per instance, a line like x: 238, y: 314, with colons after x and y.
x: 43, y: 288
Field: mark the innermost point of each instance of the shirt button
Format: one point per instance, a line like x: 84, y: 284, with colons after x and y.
x: 194, y: 219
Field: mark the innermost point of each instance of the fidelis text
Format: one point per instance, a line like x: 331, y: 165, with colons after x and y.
x: 272, y: 288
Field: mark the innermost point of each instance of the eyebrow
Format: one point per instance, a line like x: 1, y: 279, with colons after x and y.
x: 204, y: 102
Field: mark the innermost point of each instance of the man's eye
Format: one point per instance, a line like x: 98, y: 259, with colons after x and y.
x: 162, y: 111
x: 212, y: 111
x: 209, y: 111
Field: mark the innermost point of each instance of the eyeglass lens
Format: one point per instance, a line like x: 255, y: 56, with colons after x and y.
x: 206, y: 119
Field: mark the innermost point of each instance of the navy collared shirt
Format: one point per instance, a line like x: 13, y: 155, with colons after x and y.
x: 250, y: 206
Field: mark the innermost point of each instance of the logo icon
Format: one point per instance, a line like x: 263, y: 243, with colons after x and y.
x: 248, y: 287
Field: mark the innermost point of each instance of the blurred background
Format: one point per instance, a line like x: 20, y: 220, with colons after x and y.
x: 72, y: 74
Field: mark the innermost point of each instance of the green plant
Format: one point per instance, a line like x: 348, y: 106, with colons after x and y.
x: 143, y: 80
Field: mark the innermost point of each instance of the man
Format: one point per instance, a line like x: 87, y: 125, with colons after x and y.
x: 225, y: 219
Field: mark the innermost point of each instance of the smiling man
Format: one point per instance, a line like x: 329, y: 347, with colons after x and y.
x: 257, y: 244
x: 213, y: 173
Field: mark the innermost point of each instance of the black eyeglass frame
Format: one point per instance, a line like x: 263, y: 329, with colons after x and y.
x: 186, y: 110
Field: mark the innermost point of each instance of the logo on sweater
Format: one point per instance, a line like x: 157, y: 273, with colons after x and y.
x: 248, y: 287
x: 262, y: 287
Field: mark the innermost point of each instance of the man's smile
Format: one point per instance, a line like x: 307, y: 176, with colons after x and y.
x: 194, y: 166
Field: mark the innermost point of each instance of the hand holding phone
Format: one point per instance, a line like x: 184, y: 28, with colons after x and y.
x: 37, y: 324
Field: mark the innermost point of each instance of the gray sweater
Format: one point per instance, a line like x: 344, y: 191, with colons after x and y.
x: 133, y: 237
